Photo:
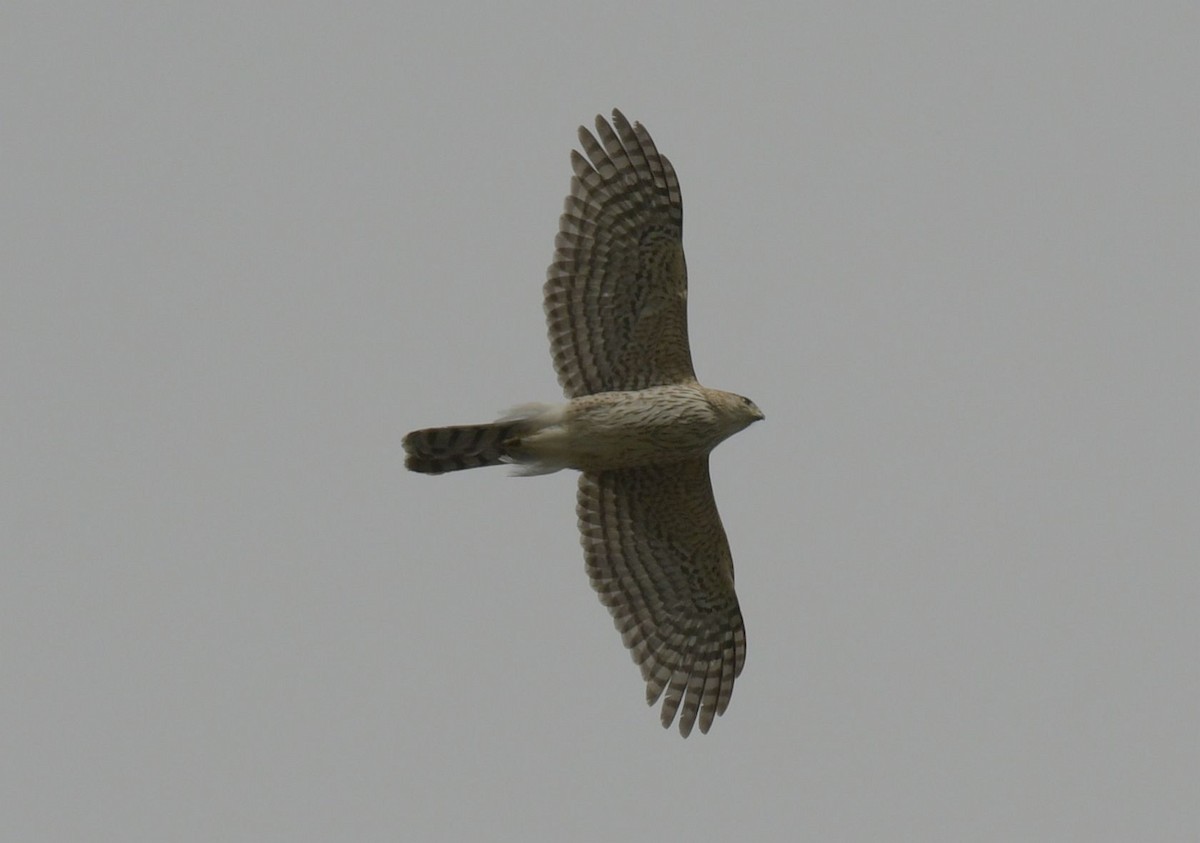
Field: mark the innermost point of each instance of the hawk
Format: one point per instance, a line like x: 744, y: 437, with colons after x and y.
x: 637, y: 425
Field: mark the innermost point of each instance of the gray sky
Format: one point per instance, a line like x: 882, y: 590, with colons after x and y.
x: 950, y: 252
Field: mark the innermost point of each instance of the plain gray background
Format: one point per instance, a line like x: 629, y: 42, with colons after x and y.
x: 950, y: 250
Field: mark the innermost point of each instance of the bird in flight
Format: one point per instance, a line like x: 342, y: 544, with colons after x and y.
x: 636, y: 424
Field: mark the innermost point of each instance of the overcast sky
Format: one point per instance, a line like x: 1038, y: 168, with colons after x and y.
x: 950, y: 250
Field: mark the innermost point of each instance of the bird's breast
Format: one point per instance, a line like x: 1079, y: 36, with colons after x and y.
x: 642, y: 427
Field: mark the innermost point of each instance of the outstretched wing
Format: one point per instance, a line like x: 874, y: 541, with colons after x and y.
x: 616, y: 293
x: 658, y: 557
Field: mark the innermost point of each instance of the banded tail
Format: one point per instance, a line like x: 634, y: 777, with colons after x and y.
x: 437, y: 450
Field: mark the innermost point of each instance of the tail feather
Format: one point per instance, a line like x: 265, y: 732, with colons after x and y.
x: 437, y: 450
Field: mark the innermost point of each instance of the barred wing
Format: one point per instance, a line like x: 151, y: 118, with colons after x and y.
x: 616, y: 293
x: 658, y: 557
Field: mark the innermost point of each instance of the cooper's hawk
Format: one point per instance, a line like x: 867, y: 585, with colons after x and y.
x: 637, y: 424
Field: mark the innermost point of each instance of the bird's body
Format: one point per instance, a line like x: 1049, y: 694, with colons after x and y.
x: 601, y: 432
x: 637, y: 424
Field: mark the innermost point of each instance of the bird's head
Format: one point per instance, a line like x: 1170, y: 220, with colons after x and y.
x: 736, y: 411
